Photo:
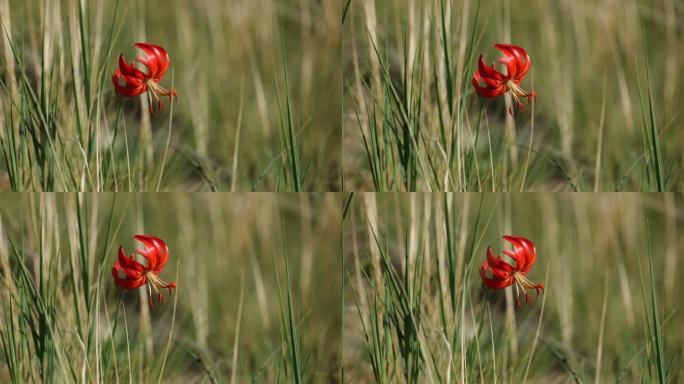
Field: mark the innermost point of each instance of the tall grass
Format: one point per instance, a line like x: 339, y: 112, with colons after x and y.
x: 239, y: 286
x: 419, y: 312
x: 413, y: 122
x: 64, y: 128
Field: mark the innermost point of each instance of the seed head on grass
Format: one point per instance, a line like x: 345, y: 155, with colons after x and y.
x: 504, y: 274
x: 137, y: 274
x: 517, y: 63
x: 130, y: 81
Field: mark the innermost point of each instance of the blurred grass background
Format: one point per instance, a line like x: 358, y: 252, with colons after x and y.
x: 417, y: 310
x: 64, y: 319
x: 62, y: 127
x: 413, y: 122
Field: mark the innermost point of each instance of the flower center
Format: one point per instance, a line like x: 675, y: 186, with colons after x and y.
x: 156, y: 283
x: 518, y: 92
x: 522, y: 283
x: 157, y: 90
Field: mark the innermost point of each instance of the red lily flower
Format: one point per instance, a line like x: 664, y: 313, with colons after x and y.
x: 504, y: 274
x: 130, y: 81
x: 137, y: 274
x: 517, y: 63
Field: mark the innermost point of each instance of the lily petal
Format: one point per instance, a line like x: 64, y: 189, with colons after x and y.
x: 126, y: 282
x: 493, y: 283
x: 157, y: 252
x: 157, y: 60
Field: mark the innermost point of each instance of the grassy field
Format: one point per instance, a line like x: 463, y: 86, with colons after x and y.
x: 259, y: 93
x: 418, y: 311
x: 258, y: 289
x: 607, y: 74
x: 260, y: 295
x: 277, y: 95
x: 327, y: 96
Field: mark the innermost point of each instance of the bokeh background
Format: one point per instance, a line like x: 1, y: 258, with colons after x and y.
x: 589, y: 61
x: 417, y: 309
x: 229, y: 123
x: 65, y: 320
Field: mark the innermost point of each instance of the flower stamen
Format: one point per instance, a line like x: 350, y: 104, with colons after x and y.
x: 522, y: 283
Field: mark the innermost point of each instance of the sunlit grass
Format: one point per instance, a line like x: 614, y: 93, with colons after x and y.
x: 604, y: 72
x: 248, y: 304
x: 259, y: 89
x: 418, y: 312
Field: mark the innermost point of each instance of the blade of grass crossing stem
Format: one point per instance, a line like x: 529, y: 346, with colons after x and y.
x: 447, y: 60
x: 291, y: 137
x: 655, y: 143
x: 440, y: 278
x: 648, y: 333
x: 345, y: 11
x: 658, y: 339
x: 9, y: 148
x: 650, y: 130
x: 345, y: 211
x: 7, y: 336
x: 81, y: 214
x: 83, y: 31
x: 236, y: 341
x: 370, y: 154
x: 370, y: 333
x: 651, y: 331
x: 450, y: 255
x: 289, y: 325
x: 236, y: 146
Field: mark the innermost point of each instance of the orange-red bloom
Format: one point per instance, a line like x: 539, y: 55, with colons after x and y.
x: 517, y: 63
x: 130, y: 81
x: 504, y: 274
x: 137, y: 274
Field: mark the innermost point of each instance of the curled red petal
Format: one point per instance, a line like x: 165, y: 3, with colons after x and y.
x: 157, y: 60
x: 509, y: 60
x: 525, y: 252
x: 130, y: 89
x: 531, y: 253
x: 128, y: 262
x: 490, y: 82
x: 516, y: 59
x: 487, y: 71
x: 128, y: 92
x: 156, y: 252
x: 496, y: 261
x: 126, y: 282
x: 493, y: 283
x: 488, y: 93
x: 129, y: 70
